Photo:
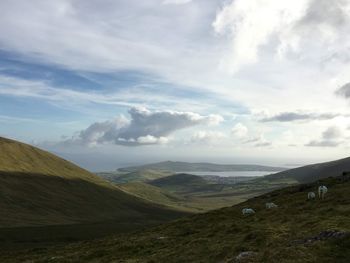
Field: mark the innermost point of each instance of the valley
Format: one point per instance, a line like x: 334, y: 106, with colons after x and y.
x: 275, y: 235
x: 53, y: 210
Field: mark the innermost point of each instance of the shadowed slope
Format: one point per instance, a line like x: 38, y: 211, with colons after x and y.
x: 39, y: 188
x: 313, y: 172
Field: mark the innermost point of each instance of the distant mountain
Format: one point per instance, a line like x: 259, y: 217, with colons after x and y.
x: 135, y: 176
x: 200, y: 167
x: 38, y: 188
x: 313, y: 172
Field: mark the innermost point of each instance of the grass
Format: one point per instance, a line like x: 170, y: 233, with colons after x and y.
x: 156, y: 195
x: 143, y: 175
x: 193, y: 193
x: 39, y: 189
x: 23, y: 158
x: 220, y: 235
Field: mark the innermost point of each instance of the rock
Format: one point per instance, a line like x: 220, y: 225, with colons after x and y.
x: 324, y: 235
x: 245, y: 255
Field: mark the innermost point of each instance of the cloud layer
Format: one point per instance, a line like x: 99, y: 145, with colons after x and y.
x: 145, y: 127
x: 331, y: 137
x: 300, y: 116
x: 301, y: 28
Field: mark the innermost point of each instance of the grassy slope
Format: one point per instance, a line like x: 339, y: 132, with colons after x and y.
x: 313, y: 172
x: 136, y: 176
x: 220, y: 235
x: 191, y: 201
x: 181, y: 183
x: 24, y: 158
x: 39, y: 188
x: 155, y: 195
x: 196, y: 194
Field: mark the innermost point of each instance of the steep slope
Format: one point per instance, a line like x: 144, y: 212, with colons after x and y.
x: 38, y: 188
x: 297, y: 231
x: 313, y: 172
x: 200, y: 167
x: 22, y: 158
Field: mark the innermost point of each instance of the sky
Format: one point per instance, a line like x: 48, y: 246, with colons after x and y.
x: 111, y: 83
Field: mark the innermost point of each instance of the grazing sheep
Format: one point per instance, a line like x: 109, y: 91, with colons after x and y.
x: 248, y: 211
x: 311, y: 195
x: 322, y: 190
x: 270, y: 205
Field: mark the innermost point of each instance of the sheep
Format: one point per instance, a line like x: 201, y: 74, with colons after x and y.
x: 311, y: 195
x: 322, y: 190
x: 270, y: 205
x: 248, y: 211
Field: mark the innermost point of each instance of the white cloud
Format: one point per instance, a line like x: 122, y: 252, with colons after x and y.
x: 288, y: 59
x: 331, y: 137
x: 251, y: 24
x: 144, y: 127
x: 332, y: 133
x: 207, y: 137
x: 258, y: 141
x: 149, y: 139
x: 240, y: 131
x: 308, y: 29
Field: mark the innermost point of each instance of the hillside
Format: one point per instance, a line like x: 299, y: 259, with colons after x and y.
x: 39, y: 189
x: 297, y: 231
x: 157, y: 195
x: 200, y: 167
x: 136, y: 176
x: 197, y: 193
x: 313, y: 172
x: 23, y: 158
x: 181, y: 183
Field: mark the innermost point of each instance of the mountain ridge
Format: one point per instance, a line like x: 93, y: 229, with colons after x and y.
x: 175, y: 166
x: 312, y: 172
x: 38, y: 188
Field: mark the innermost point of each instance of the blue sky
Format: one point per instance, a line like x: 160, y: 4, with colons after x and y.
x: 226, y: 81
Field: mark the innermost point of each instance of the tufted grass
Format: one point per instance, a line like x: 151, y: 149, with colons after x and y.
x: 220, y: 235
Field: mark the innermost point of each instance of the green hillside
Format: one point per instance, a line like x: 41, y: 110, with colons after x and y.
x: 297, y: 231
x: 313, y: 172
x: 156, y: 195
x: 136, y: 176
x: 182, y: 183
x: 200, y: 167
x: 39, y: 189
x: 26, y: 159
x: 192, y: 200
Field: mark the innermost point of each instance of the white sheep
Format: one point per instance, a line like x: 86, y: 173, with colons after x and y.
x: 322, y: 190
x: 270, y: 205
x: 248, y: 211
x: 311, y: 195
